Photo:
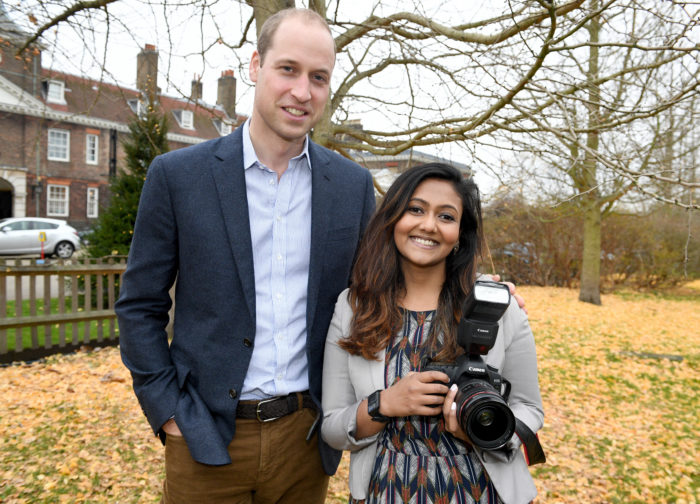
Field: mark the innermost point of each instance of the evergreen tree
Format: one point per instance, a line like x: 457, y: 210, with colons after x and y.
x: 112, y: 233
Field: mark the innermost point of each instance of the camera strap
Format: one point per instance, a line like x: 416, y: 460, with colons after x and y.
x: 534, y: 454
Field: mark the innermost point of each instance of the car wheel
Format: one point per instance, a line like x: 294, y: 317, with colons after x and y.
x: 64, y: 250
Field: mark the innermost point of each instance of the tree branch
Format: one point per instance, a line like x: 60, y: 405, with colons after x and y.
x: 71, y: 11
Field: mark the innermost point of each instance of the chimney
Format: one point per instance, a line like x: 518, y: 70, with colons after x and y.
x: 226, y: 95
x: 147, y: 70
x: 196, y: 93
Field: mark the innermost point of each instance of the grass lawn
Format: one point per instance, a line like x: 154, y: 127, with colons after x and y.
x: 29, y: 336
x: 621, y: 420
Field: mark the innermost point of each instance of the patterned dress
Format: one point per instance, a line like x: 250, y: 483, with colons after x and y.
x: 418, y: 461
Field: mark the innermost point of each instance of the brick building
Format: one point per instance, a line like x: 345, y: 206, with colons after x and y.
x: 61, y: 135
x: 386, y: 168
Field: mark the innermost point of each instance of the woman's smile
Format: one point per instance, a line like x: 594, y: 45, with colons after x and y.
x: 428, y: 230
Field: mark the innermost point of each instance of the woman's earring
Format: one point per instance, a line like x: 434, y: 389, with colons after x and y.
x: 454, y: 250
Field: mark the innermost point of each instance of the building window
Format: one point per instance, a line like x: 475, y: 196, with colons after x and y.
x: 222, y: 127
x: 55, y: 92
x: 92, y: 202
x: 91, y: 145
x: 138, y: 107
x: 185, y: 118
x: 57, y: 200
x: 59, y: 145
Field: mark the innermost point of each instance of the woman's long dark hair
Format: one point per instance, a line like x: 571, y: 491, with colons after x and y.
x: 377, y: 280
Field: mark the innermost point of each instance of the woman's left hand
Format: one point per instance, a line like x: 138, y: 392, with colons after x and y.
x: 449, y: 412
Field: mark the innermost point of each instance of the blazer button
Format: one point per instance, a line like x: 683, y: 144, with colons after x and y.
x: 247, y: 343
x: 233, y: 393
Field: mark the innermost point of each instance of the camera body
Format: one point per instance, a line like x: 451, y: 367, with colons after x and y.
x: 482, y: 410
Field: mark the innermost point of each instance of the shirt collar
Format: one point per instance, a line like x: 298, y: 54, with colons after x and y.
x: 250, y: 158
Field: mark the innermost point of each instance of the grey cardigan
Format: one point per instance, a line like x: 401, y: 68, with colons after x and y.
x: 348, y: 379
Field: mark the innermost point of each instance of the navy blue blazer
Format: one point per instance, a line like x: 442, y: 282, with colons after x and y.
x: 192, y: 224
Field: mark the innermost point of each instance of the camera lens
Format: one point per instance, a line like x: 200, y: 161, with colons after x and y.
x: 484, y: 415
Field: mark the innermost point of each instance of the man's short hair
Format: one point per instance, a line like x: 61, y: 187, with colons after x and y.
x: 269, y: 27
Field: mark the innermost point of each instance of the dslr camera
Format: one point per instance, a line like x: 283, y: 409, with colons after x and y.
x: 482, y: 410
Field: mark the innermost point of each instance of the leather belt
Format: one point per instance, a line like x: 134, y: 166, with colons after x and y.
x: 273, y: 408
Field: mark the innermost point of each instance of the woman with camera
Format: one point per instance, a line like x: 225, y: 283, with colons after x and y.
x: 415, y: 268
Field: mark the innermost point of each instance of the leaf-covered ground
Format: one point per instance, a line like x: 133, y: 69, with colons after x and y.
x: 621, y: 422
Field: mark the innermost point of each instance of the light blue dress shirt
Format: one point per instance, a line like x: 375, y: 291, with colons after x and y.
x: 280, y: 229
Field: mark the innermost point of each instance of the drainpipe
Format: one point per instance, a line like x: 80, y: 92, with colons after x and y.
x: 37, y: 182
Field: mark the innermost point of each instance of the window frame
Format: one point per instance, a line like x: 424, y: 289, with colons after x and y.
x: 59, y: 91
x: 92, y: 208
x: 222, y: 127
x: 88, y: 159
x: 137, y: 106
x: 49, y: 145
x: 189, y: 122
x: 64, y: 201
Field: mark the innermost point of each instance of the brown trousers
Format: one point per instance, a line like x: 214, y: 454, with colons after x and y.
x: 272, y: 464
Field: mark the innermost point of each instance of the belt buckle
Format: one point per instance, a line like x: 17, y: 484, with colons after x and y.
x: 257, y: 410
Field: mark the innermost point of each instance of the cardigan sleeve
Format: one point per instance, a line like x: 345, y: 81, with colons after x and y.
x: 340, y: 400
x: 520, y: 368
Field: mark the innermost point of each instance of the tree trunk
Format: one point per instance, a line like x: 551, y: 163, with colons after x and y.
x: 263, y: 9
x: 322, y: 131
x: 318, y: 6
x: 590, y: 266
x: 588, y: 180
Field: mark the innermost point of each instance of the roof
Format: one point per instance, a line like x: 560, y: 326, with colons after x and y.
x: 97, y: 99
x: 411, y: 154
x: 100, y: 100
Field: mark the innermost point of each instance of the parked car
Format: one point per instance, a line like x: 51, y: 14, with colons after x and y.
x: 21, y: 236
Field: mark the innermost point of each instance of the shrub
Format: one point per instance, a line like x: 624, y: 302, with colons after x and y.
x: 538, y: 244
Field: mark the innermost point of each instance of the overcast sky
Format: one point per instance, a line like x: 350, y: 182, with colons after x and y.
x: 180, y: 34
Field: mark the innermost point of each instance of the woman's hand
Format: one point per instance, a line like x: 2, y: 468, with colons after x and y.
x: 449, y: 412
x: 415, y: 394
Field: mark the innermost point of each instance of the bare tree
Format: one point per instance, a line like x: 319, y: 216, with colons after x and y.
x: 429, y: 74
x: 601, y: 122
x: 572, y: 89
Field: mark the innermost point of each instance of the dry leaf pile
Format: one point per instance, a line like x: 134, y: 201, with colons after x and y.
x: 621, y: 420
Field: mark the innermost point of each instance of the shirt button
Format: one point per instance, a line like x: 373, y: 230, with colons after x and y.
x: 232, y: 393
x: 271, y: 182
x: 247, y: 343
x: 279, y: 257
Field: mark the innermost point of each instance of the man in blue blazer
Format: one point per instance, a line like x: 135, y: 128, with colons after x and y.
x: 258, y: 231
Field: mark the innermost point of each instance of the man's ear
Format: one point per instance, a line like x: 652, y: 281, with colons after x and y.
x: 254, y: 66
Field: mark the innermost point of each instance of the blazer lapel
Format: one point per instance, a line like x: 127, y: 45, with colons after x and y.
x: 321, y: 203
x: 229, y: 175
